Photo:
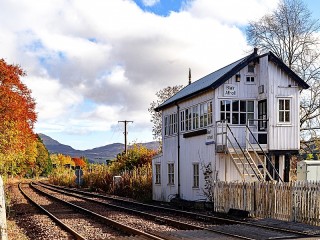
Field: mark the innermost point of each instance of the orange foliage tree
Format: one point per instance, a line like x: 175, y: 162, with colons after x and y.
x: 17, y: 115
x: 79, y: 162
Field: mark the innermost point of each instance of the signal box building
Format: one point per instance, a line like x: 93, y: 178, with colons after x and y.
x: 239, y: 123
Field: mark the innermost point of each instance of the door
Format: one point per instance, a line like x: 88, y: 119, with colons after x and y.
x: 262, y: 123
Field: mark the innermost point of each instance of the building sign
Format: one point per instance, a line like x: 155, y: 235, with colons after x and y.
x: 210, y: 136
x: 230, y: 90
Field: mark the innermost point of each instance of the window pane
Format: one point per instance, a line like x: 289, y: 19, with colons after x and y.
x: 235, y: 118
x: 209, y: 118
x: 235, y: 105
x: 222, y: 106
x: 287, y: 104
x: 205, y: 108
x: 287, y: 116
x: 243, y: 105
x: 250, y: 106
x: 222, y: 117
x: 227, y: 103
x: 281, y: 104
x: 281, y: 116
x: 201, y: 120
x: 242, y: 118
x: 227, y: 117
x: 210, y: 107
x: 250, y: 116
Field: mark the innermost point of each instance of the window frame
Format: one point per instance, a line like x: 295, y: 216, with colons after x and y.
x: 233, y: 109
x: 195, y: 175
x: 196, y: 117
x: 157, y: 173
x: 170, y: 124
x: 252, y: 79
x: 170, y: 173
x: 284, y: 111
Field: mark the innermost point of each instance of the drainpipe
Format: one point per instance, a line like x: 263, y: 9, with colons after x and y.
x: 178, y: 125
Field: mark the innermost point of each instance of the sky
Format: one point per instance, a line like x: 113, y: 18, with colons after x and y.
x: 90, y: 64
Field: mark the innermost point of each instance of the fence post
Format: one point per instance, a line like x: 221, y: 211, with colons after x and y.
x: 3, y: 220
x: 294, y: 201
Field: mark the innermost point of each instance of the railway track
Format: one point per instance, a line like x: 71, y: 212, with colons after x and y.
x: 79, y: 222
x: 199, y: 222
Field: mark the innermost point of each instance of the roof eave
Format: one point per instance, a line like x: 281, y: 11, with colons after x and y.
x: 292, y: 74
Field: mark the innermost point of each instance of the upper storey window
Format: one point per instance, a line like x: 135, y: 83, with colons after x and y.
x: 250, y: 76
x: 195, y: 117
x: 170, y: 124
x: 284, y: 110
x: 237, y: 112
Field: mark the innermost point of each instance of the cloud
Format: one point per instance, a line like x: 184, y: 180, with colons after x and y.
x: 150, y: 3
x: 91, y: 64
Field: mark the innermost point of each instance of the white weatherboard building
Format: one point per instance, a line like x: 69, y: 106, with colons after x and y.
x: 241, y: 122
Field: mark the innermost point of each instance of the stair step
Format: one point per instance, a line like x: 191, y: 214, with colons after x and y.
x: 245, y: 163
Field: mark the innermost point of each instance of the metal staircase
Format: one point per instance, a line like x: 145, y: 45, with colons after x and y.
x: 243, y: 157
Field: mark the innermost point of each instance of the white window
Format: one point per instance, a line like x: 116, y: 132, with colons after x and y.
x: 195, y: 117
x: 182, y: 121
x: 209, y: 113
x: 170, y: 124
x: 195, y: 175
x: 250, y: 79
x: 170, y: 173
x: 237, y: 112
x: 284, y: 110
x: 166, y: 125
x: 158, y: 174
x: 188, y: 119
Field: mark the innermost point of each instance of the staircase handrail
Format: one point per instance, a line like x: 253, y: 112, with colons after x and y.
x: 243, y: 152
x: 234, y: 149
x: 268, y: 159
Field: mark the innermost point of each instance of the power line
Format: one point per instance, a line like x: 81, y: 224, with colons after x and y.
x: 125, y: 134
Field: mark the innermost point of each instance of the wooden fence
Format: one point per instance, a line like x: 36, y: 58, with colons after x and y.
x: 294, y: 201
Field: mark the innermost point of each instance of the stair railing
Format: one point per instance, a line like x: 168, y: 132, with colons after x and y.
x: 249, y: 132
x: 228, y: 127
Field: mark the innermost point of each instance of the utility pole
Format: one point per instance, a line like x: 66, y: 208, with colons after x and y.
x: 125, y: 134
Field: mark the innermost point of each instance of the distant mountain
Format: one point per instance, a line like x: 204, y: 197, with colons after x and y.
x: 98, y: 155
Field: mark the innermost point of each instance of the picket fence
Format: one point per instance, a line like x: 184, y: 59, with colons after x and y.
x: 294, y: 201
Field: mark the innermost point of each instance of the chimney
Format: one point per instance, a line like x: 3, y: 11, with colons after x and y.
x: 189, y: 76
x: 255, y: 50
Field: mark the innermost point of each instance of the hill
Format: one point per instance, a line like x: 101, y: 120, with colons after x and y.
x: 97, y: 155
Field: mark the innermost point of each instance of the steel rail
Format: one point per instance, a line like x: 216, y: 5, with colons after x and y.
x: 171, y: 222
x: 110, y: 222
x: 55, y: 219
x: 187, y: 213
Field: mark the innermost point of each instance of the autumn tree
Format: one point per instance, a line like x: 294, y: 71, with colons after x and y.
x: 79, y: 161
x: 60, y: 160
x: 17, y: 118
x: 291, y: 34
x: 43, y: 162
x: 137, y: 156
x: 156, y: 117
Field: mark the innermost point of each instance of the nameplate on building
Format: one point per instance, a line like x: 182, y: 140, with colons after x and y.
x: 230, y: 90
x: 210, y: 136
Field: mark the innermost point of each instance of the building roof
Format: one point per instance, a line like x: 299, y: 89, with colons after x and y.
x: 217, y: 78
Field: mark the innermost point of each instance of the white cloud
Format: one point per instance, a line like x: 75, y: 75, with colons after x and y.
x: 115, y: 55
x: 150, y: 3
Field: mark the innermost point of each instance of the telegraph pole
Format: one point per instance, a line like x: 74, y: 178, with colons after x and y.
x: 125, y: 134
